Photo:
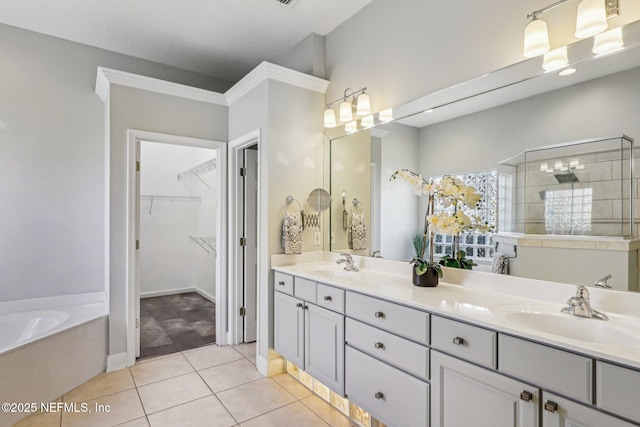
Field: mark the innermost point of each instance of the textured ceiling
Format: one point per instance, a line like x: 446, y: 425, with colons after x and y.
x: 223, y: 39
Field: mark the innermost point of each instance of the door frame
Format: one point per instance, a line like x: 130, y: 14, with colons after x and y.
x: 236, y: 148
x: 222, y: 291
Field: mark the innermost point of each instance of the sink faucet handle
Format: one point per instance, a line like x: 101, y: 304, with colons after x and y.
x: 582, y: 292
x: 349, y: 258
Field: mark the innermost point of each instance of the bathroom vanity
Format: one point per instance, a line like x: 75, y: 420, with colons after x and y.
x: 479, y: 349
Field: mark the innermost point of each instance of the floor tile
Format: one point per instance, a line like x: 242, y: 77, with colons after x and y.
x: 44, y: 419
x: 211, y: 355
x: 159, y: 350
x: 254, y: 399
x: 205, y: 412
x: 330, y: 415
x: 160, y: 369
x: 204, y: 327
x: 125, y: 406
x: 171, y: 392
x: 103, y: 384
x: 247, y: 350
x: 292, y: 386
x: 140, y: 422
x: 154, y: 337
x: 195, y: 314
x: 175, y: 326
x: 232, y: 374
x: 295, y: 414
x: 190, y: 339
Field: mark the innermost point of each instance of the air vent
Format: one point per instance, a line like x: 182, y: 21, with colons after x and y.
x: 288, y: 3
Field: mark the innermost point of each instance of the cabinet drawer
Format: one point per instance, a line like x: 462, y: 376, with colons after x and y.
x: 283, y: 282
x: 401, y: 353
x: 617, y: 390
x: 404, y: 321
x: 468, y: 342
x: 304, y: 289
x: 330, y: 297
x: 561, y: 412
x: 567, y: 373
x: 396, y: 398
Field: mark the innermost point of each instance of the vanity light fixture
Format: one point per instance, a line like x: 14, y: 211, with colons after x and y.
x: 608, y: 42
x: 386, y: 115
x: 351, y: 127
x: 367, y: 121
x: 536, y: 37
x: 555, y: 59
x: 592, y: 18
x: 360, y: 103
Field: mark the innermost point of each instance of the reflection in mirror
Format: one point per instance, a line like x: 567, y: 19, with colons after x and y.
x: 469, y: 136
x: 319, y: 200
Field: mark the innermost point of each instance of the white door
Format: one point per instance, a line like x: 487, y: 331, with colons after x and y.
x: 250, y: 250
x: 136, y: 271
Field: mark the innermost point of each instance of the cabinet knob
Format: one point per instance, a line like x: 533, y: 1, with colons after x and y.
x: 379, y: 395
x: 306, y: 307
x: 458, y: 341
x: 379, y: 314
x: 300, y: 305
x: 527, y: 396
x: 281, y: 283
x: 378, y: 345
x: 550, y: 406
x: 327, y: 298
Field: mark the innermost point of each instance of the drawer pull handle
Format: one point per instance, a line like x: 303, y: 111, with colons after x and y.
x: 281, y: 283
x: 327, y: 298
x: 379, y: 314
x: 527, y: 396
x: 550, y: 406
x: 458, y: 341
x: 379, y: 345
x: 300, y: 305
x: 306, y: 307
x: 379, y: 395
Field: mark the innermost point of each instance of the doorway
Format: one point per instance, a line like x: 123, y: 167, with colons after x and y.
x: 249, y: 246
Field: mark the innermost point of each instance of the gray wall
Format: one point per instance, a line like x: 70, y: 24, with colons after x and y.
x: 53, y: 161
x: 307, y: 56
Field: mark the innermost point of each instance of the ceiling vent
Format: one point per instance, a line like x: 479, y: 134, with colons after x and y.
x: 288, y: 3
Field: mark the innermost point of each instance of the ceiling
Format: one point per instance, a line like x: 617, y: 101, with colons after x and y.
x: 223, y: 39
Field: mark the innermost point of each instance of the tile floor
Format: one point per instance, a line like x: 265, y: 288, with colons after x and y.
x: 208, y: 386
x: 176, y: 323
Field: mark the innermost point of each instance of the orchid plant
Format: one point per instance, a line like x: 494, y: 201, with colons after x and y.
x: 451, y: 192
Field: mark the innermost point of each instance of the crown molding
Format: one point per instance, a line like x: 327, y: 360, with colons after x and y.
x: 268, y: 71
x: 107, y: 76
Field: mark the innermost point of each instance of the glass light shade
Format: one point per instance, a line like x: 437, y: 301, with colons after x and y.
x: 567, y: 72
x: 608, y: 42
x: 536, y: 39
x: 544, y: 167
x: 386, y: 115
x: 558, y: 165
x: 346, y: 115
x: 351, y: 127
x: 592, y: 18
x: 367, y: 121
x: 555, y: 59
x: 330, y: 118
x: 364, y: 105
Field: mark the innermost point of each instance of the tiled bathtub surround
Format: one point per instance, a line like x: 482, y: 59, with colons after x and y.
x: 208, y: 386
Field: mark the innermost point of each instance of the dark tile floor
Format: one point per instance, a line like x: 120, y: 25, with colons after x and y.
x: 174, y: 323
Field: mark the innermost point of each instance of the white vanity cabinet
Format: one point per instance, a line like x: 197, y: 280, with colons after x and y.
x: 310, y: 336
x: 467, y: 395
x: 561, y: 412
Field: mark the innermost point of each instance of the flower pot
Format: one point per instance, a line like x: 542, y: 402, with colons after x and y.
x: 429, y: 279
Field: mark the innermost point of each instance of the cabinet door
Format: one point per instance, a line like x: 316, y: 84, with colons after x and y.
x: 324, y: 346
x: 289, y: 328
x: 467, y: 395
x: 560, y: 412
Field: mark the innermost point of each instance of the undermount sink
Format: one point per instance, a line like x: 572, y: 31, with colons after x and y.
x: 547, y: 320
x: 335, y: 273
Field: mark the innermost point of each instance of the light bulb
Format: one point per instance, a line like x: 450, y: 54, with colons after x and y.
x: 555, y: 59
x: 330, y: 118
x: 592, y: 18
x: 351, y: 127
x: 363, y: 105
x: 607, y: 42
x: 544, y: 167
x: 346, y: 115
x: 536, y: 38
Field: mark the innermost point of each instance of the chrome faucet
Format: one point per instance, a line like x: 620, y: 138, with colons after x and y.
x: 349, y: 261
x: 376, y: 254
x: 602, y: 283
x: 580, y: 306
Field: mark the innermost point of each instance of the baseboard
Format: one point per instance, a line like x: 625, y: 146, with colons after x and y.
x: 167, y: 292
x: 116, y: 361
x: 271, y: 367
x: 206, y: 295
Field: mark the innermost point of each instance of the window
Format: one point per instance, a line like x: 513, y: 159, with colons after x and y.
x: 478, y: 246
x: 568, y: 211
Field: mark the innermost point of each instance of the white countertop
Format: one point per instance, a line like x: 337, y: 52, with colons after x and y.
x: 486, y: 300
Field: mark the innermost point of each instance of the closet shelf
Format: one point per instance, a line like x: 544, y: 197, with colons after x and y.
x: 198, y: 170
x: 168, y: 198
x: 206, y: 243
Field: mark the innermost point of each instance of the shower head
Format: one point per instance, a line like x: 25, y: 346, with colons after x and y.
x: 566, y: 177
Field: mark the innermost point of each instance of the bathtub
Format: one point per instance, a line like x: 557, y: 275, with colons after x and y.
x: 49, y: 346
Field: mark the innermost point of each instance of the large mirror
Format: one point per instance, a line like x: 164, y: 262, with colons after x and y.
x: 468, y: 131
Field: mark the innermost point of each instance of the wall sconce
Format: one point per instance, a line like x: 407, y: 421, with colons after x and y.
x: 591, y: 19
x: 360, y: 104
x: 555, y: 59
x: 386, y: 115
x: 608, y: 42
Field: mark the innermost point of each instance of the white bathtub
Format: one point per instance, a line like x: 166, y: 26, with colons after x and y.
x: 48, y: 346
